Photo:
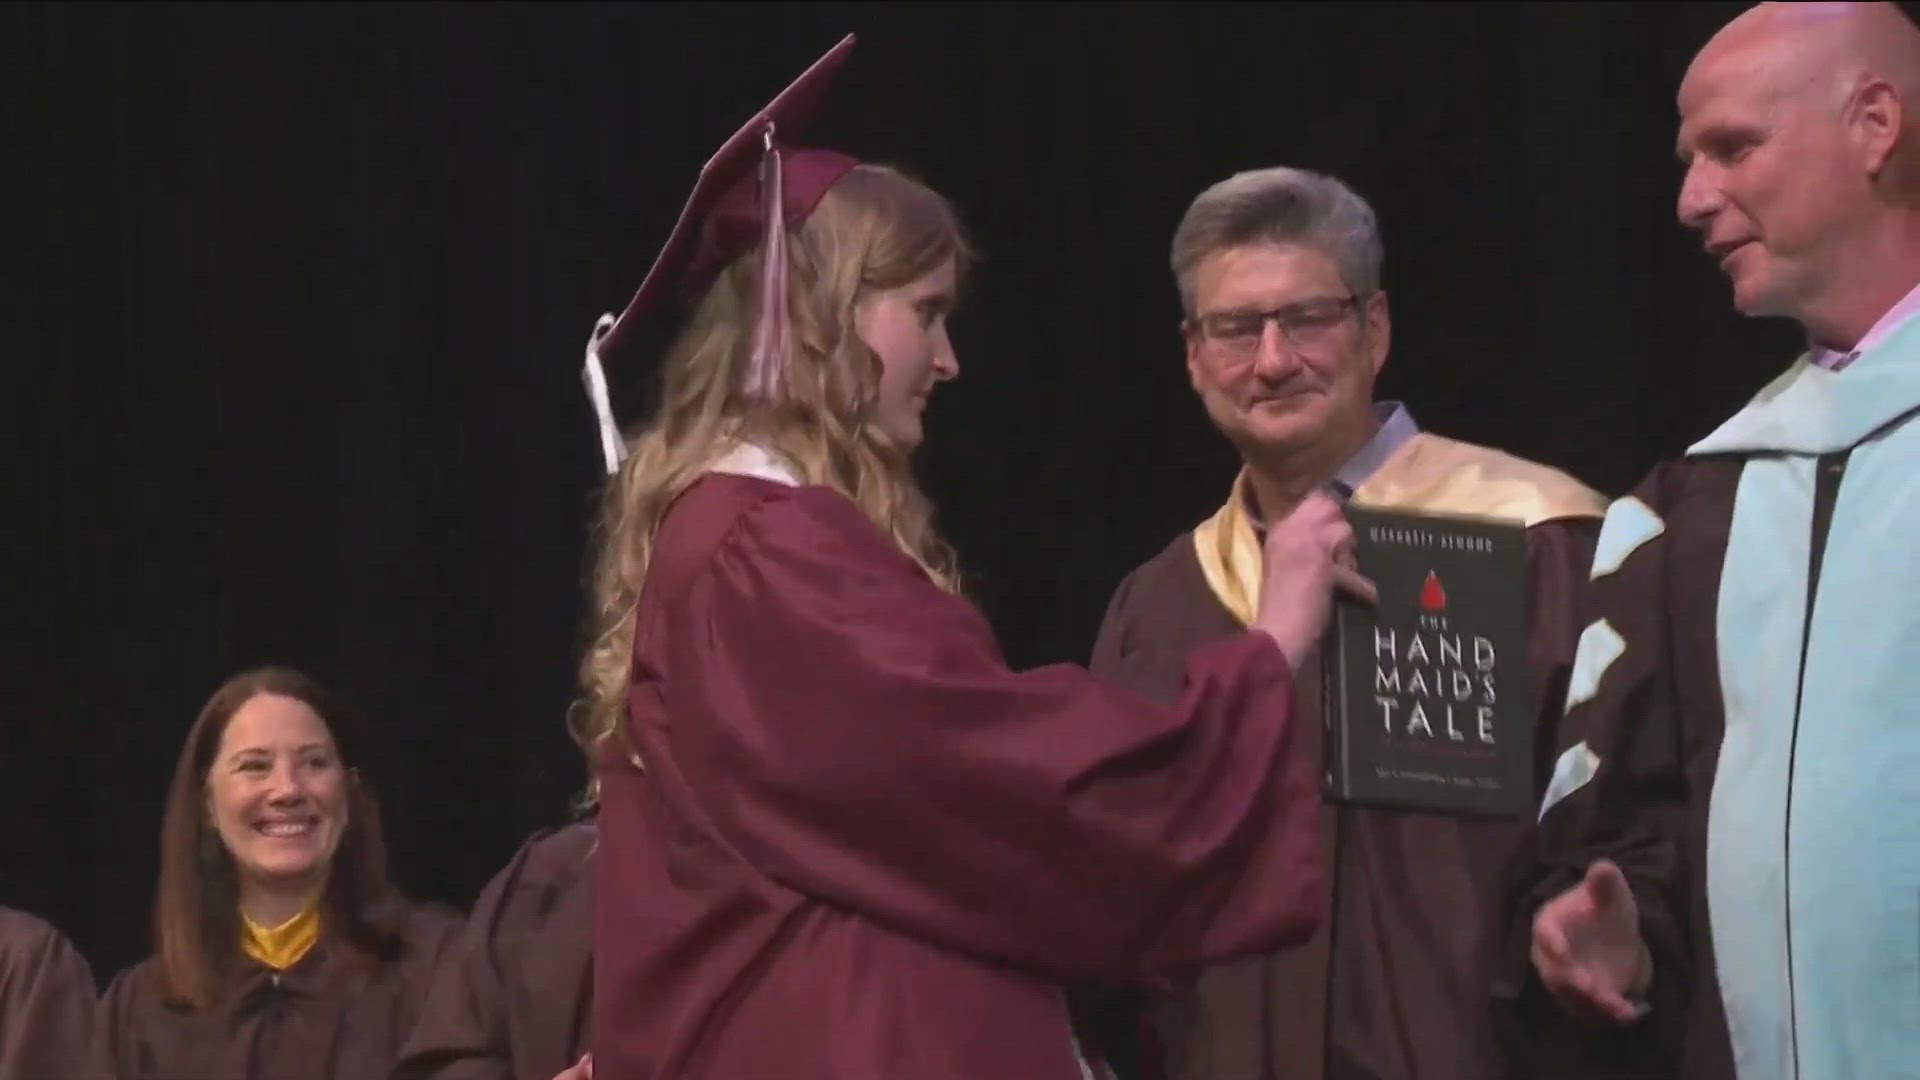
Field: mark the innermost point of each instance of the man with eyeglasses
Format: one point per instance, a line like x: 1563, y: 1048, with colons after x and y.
x: 1287, y: 328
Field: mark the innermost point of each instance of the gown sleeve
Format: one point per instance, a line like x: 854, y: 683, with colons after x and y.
x: 118, y: 1026
x: 1617, y: 790
x: 1127, y: 652
x: 462, y: 1030
x: 854, y: 732
x: 46, y: 1001
x: 430, y: 932
x: 1559, y: 555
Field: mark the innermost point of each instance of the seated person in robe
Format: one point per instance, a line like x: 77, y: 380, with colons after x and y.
x: 282, y: 952
x: 839, y: 836
x: 46, y: 1000
x: 512, y: 996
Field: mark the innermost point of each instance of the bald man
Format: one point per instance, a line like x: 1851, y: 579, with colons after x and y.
x: 1729, y: 850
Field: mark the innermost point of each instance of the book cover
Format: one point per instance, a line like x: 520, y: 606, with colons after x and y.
x: 1426, y: 697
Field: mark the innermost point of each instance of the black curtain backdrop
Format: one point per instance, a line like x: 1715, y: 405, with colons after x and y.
x: 298, y: 296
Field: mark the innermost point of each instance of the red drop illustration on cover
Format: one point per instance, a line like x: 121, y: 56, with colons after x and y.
x: 1433, y: 596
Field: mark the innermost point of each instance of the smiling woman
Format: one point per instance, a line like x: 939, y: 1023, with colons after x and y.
x: 283, y: 951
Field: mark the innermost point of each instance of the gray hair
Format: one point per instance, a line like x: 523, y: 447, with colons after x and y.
x: 1280, y: 206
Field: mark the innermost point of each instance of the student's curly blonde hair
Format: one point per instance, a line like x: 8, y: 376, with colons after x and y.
x: 874, y: 229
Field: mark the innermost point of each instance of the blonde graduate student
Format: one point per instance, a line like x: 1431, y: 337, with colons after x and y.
x: 839, y: 836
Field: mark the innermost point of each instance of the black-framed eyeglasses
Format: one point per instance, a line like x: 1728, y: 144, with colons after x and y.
x: 1306, y: 325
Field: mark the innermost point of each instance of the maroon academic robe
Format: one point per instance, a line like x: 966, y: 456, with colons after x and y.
x: 863, y: 849
x: 512, y: 996
x: 1414, y: 916
x: 325, y: 1018
x: 46, y: 1001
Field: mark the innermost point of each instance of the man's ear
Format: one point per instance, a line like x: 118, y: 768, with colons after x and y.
x: 1873, y: 118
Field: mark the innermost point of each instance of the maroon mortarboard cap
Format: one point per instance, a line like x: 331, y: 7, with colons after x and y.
x: 746, y: 194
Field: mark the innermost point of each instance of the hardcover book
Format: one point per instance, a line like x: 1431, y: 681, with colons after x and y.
x: 1426, y: 697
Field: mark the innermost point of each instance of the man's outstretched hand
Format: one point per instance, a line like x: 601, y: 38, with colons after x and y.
x: 1588, y: 949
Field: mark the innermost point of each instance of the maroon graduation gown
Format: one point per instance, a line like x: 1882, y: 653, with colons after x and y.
x: 324, y: 1018
x: 1413, y: 939
x: 511, y: 997
x: 862, y: 848
x: 46, y: 1001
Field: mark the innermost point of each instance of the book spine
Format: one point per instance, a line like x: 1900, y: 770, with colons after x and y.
x: 1334, y: 755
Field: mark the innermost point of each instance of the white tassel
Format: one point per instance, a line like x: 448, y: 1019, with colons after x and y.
x: 612, y: 447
